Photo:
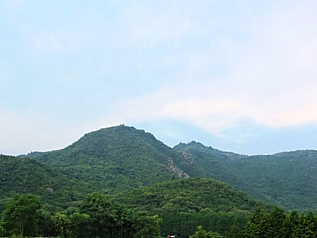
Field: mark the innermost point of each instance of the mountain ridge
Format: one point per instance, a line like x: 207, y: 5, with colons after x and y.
x: 120, y: 158
x: 134, y: 155
x: 285, y: 179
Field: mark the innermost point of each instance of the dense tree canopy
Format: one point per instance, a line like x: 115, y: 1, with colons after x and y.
x: 201, y: 233
x: 21, y: 215
x: 279, y: 224
x: 285, y: 179
x: 99, y: 216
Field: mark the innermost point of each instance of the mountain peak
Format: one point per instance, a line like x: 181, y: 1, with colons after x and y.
x: 120, y: 135
x: 133, y: 157
x: 193, y: 144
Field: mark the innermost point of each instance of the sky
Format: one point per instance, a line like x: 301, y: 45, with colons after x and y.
x: 238, y: 76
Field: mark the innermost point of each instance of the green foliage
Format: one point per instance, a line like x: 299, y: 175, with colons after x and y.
x: 104, y: 216
x: 24, y: 175
x: 108, y: 219
x: 201, y: 233
x: 284, y: 179
x: 263, y: 224
x: 21, y: 215
x: 46, y: 224
x: 135, y: 169
x: 73, y: 225
x: 119, y: 159
x: 188, y: 195
x: 147, y: 226
x: 185, y: 224
x: 306, y: 226
x: 62, y: 224
x: 97, y: 217
x: 185, y: 204
x: 114, y: 159
x: 80, y: 225
x: 279, y: 224
x: 235, y: 231
x: 2, y: 231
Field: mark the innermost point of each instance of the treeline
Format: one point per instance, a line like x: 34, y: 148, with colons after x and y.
x: 185, y: 224
x: 97, y: 216
x: 277, y: 224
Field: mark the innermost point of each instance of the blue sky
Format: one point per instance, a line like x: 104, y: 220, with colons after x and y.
x: 235, y: 75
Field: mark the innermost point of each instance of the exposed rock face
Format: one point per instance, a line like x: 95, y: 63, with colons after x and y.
x: 187, y: 158
x: 180, y: 173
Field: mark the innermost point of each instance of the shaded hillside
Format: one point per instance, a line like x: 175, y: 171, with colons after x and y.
x: 188, y: 195
x: 185, y: 204
x: 23, y: 175
x: 207, y: 162
x: 115, y: 159
x: 286, y: 179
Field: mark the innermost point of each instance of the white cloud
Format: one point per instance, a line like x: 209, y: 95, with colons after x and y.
x: 273, y: 84
x: 207, y: 63
x: 146, y: 26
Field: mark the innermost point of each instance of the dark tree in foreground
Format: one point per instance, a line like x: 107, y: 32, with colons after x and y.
x: 106, y: 219
x: 281, y: 225
x: 201, y: 233
x: 21, y: 215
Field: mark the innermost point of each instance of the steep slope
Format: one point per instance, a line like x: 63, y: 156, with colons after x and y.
x: 206, y: 162
x: 115, y: 159
x: 285, y: 179
x: 24, y: 175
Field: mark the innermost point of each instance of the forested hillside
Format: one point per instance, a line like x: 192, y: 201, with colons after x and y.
x: 188, y: 195
x: 115, y: 159
x: 23, y: 175
x: 120, y: 158
x: 286, y: 179
x: 185, y: 204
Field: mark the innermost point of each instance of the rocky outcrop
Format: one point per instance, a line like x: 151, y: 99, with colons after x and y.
x: 180, y: 173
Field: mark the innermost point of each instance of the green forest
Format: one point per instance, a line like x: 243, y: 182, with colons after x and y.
x: 99, y: 216
x: 123, y: 182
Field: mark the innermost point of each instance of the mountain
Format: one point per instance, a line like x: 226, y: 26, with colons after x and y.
x: 286, y: 179
x: 121, y: 158
x: 116, y: 159
x: 24, y: 175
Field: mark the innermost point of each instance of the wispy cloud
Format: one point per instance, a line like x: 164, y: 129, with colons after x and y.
x: 211, y: 64
x: 273, y: 83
